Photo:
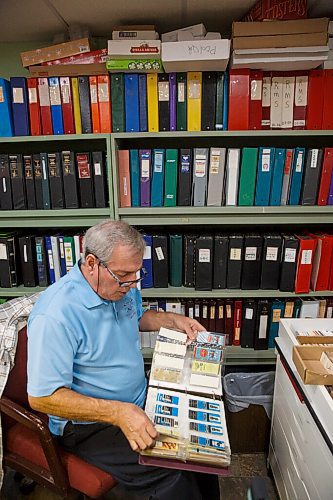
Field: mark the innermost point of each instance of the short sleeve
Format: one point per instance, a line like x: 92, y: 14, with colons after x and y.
x: 51, y: 349
x: 138, y: 301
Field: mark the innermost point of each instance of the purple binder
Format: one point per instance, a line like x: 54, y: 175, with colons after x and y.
x: 145, y: 176
x: 170, y: 463
x: 330, y: 194
x: 173, y: 100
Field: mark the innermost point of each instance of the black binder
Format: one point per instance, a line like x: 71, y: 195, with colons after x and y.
x: 311, y: 176
x: 252, y: 261
x: 160, y: 261
x: 99, y: 170
x: 86, y: 187
x: 28, y: 260
x: 29, y: 182
x: 208, y: 101
x: 288, y: 263
x: 6, y: 202
x: 45, y: 181
x: 38, y: 180
x: 163, y: 102
x: 262, y: 325
x: 185, y: 178
x: 235, y: 257
x: 271, y: 262
x: 9, y: 271
x: 17, y: 181
x: 84, y: 97
x: 249, y: 323
x: 42, y: 261
x: 189, y: 260
x: 69, y: 179
x: 204, y: 263
x: 55, y: 180
x: 221, y: 247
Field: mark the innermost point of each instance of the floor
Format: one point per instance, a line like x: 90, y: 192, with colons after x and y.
x: 243, y: 468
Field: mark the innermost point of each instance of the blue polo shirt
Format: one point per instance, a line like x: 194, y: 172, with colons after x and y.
x: 90, y: 345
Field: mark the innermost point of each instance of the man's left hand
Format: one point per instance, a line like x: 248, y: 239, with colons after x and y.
x: 188, y: 325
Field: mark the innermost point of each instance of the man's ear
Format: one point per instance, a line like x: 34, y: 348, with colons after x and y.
x: 90, y: 261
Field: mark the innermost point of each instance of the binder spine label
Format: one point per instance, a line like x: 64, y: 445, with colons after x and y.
x: 32, y: 93
x: 272, y: 253
x: 306, y: 257
x: 251, y: 253
x: 204, y: 255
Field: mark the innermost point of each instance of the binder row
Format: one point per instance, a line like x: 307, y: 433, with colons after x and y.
x: 43, y: 181
x: 249, y: 323
x: 251, y: 261
x: 219, y: 176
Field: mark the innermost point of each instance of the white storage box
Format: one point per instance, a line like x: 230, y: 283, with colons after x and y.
x: 134, y: 49
x: 201, y: 55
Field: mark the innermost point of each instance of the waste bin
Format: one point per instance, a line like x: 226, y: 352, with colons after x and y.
x: 248, y: 408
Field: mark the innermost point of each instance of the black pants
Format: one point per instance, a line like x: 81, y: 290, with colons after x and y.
x: 106, y: 447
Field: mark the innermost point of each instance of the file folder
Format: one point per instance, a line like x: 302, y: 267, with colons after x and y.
x: 160, y: 261
x: 249, y: 323
x: 157, y: 186
x: 297, y: 176
x: 176, y: 260
x: 163, y: 102
x: 194, y: 95
x: 271, y: 261
x: 185, y: 178
x: 204, y: 263
x: 6, y: 202
x: 200, y: 169
x: 215, y: 196
x: 221, y: 247
x: 209, y: 81
x: 143, y: 117
x: 170, y: 187
x: 248, y: 174
x: 20, y: 107
x: 55, y: 102
x: 145, y: 176
x: 147, y: 281
x: 85, y: 107
x: 132, y: 112
x: 152, y: 102
x: 181, y: 107
x: 135, y: 177
x: 173, y: 101
x: 45, y: 106
x: 252, y: 262
x: 277, y: 177
x: 6, y: 115
x: 264, y: 176
x: 34, y: 108
x: 118, y: 102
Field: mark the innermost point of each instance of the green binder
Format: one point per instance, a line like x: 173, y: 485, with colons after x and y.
x: 219, y: 101
x: 247, y: 182
x: 181, y: 101
x: 118, y: 102
x: 170, y: 177
x: 70, y: 257
x: 176, y: 260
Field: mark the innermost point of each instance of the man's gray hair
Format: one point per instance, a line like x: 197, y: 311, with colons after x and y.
x: 101, y: 239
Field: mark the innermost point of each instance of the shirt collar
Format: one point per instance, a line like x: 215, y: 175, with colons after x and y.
x: 88, y: 296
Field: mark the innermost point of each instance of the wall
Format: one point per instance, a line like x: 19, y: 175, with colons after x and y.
x: 10, y: 60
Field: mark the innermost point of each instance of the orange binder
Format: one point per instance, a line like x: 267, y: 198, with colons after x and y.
x: 239, y: 99
x: 314, y: 113
x: 96, y: 127
x: 326, y: 174
x: 104, y: 103
x: 124, y: 178
x: 34, y: 108
x: 307, y: 246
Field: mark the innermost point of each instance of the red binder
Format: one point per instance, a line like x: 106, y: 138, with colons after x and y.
x: 124, y: 178
x: 300, y: 100
x: 67, y: 105
x: 34, y: 108
x: 237, y: 322
x: 255, y: 116
x: 314, y: 114
x: 266, y: 101
x: 45, y: 107
x: 96, y: 128
x: 326, y: 174
x: 307, y: 246
x: 239, y: 99
x: 104, y: 103
x: 320, y: 275
x: 328, y: 100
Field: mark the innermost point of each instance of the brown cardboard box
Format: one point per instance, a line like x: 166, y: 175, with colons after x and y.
x: 280, y: 27
x: 277, y: 9
x: 275, y: 41
x: 68, y: 70
x: 304, y: 339
x: 58, y: 51
x: 307, y: 362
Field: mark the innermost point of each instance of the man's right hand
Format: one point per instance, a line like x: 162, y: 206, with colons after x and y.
x: 136, y: 426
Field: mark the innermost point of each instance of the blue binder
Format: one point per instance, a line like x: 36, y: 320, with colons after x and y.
x: 49, y: 259
x: 6, y: 116
x: 147, y: 281
x: 45, y: 182
x: 277, y: 177
x: 143, y: 117
x: 157, y: 187
x: 277, y: 305
x: 132, y: 123
x: 62, y: 255
x: 264, y: 176
x: 225, y: 101
x: 55, y: 102
x: 135, y: 177
x: 20, y: 107
x: 297, y: 176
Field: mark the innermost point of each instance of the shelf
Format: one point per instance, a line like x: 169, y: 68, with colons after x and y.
x: 53, y: 138
x: 227, y: 215
x: 20, y: 291
x: 223, y: 133
x: 183, y: 292
x: 81, y: 217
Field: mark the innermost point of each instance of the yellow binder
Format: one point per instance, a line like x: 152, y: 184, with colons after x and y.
x: 76, y: 105
x: 194, y: 93
x: 152, y: 102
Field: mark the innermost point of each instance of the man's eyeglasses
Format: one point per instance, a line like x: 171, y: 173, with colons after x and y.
x: 123, y: 283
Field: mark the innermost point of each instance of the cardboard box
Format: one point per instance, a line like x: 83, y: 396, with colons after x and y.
x: 96, y: 56
x: 135, y: 65
x: 195, y: 30
x: 309, y: 367
x: 68, y: 70
x: 134, y: 49
x: 144, y: 32
x: 280, y: 27
x: 203, y: 55
x: 277, y: 9
x: 277, y: 41
x: 52, y: 52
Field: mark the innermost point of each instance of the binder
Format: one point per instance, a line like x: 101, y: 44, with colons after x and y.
x: 143, y: 117
x: 266, y: 101
x: 29, y: 182
x: 249, y: 323
x: 312, y: 171
x: 9, y: 272
x: 38, y: 179
x: 264, y: 176
x: 221, y: 247
x: 69, y: 249
x: 157, y: 186
x: 45, y: 106
x: 194, y: 95
x: 104, y: 103
x: 296, y: 176
x: 173, y: 101
x: 277, y: 177
x: 84, y: 96
x: 200, y: 169
x: 277, y: 310
x: 208, y: 101
x: 55, y: 102
x: 170, y: 185
x: 204, y: 263
x: 94, y: 108
x: 225, y: 100
x: 17, y: 182
x: 255, y: 111
x: 34, y: 108
x: 100, y: 180
x: 297, y: 308
x: 185, y: 178
x: 314, y: 116
x: 55, y: 180
x: 6, y: 115
x: 321, y: 262
x: 262, y: 326
x: 124, y: 178
x: 286, y: 176
x: 76, y: 105
x: 145, y: 176
x: 288, y: 263
x: 288, y: 95
x: 229, y: 320
x: 181, y: 107
x: 232, y: 175
x: 252, y: 261
x: 49, y: 259
x: 176, y: 260
x: 189, y: 260
x: 326, y: 175
x: 6, y: 201
x: 160, y: 261
x: 135, y: 177
x: 271, y: 261
x: 152, y: 102
x: 212, y: 316
x: 248, y: 174
x: 163, y: 102
x: 118, y: 102
x: 276, y: 100
x: 86, y: 190
x: 239, y: 99
x: 62, y: 260
x: 327, y: 123
x: 45, y: 182
x: 69, y: 173
x: 219, y: 316
x: 20, y: 106
x: 215, y: 196
x: 28, y: 260
x: 235, y: 258
x: 330, y: 193
x: 132, y: 112
x: 147, y: 281
x: 238, y: 306
x: 307, y: 246
x: 41, y: 261
x: 301, y: 100
x: 189, y: 308
x: 219, y: 100
x: 67, y: 105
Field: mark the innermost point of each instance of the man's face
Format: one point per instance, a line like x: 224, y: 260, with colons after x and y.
x: 124, y: 264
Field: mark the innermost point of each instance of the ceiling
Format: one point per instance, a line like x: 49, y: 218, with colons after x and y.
x: 29, y: 20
